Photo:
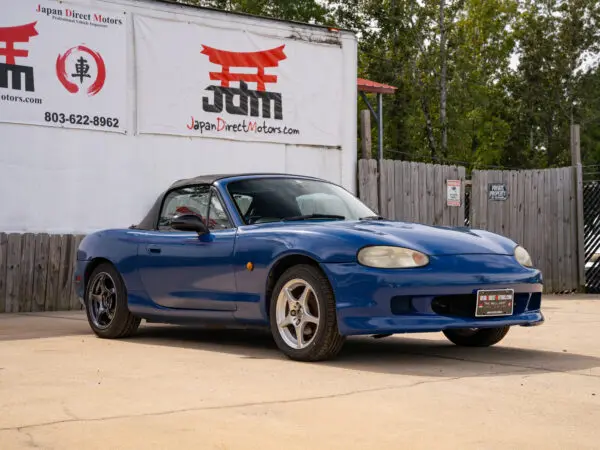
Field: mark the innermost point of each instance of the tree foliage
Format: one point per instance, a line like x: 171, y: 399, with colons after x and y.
x: 485, y: 82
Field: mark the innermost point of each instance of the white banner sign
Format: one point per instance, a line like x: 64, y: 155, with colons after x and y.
x: 195, y: 80
x: 63, y: 65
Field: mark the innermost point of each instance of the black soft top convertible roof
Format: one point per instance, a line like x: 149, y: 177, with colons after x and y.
x: 202, y: 179
x: 149, y: 222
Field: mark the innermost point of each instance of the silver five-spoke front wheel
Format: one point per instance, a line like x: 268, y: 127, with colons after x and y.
x: 297, y: 313
x: 102, y: 300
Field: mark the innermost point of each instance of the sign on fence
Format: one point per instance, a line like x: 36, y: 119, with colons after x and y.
x: 453, y: 192
x: 63, y: 66
x: 497, y: 191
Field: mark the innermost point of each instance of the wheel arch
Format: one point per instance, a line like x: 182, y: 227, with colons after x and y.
x: 280, y: 266
x: 91, y: 266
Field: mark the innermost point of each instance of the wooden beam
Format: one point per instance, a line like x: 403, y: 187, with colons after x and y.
x: 365, y: 133
x: 576, y: 163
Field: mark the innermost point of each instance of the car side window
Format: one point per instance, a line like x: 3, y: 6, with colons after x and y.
x: 187, y: 200
x: 243, y: 202
x: 217, y: 217
x: 201, y: 201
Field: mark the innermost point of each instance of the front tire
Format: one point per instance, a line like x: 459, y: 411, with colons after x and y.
x: 478, y: 337
x: 303, y: 317
x: 106, y: 304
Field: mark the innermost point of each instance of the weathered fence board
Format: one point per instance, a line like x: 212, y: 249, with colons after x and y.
x: 75, y: 303
x: 3, y: 258
x: 40, y: 278
x: 367, y: 183
x: 53, y: 273
x: 570, y: 227
x: 62, y: 300
x: 27, y: 270
x: 13, y: 273
x: 538, y: 213
x: 560, y: 225
x: 412, y: 192
x: 36, y: 272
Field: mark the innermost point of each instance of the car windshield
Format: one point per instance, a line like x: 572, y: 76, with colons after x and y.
x: 261, y: 200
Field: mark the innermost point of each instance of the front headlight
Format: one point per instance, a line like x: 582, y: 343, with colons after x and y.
x: 523, y: 257
x: 384, y: 257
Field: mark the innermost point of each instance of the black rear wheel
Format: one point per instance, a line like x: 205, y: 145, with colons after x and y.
x: 476, y: 337
x: 106, y: 304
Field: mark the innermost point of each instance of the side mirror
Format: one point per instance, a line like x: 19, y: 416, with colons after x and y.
x: 189, y: 222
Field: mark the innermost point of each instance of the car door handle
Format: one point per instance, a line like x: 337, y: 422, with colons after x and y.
x: 153, y: 249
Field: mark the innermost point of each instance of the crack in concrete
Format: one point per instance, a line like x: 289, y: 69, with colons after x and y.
x: 75, y: 419
x: 494, y: 363
x: 52, y: 316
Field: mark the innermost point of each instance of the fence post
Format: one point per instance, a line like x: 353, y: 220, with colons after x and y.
x: 365, y: 133
x: 576, y: 162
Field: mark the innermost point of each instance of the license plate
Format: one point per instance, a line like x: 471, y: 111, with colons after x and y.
x: 497, y: 302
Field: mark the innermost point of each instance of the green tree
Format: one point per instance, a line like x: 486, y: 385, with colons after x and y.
x: 308, y: 11
x: 589, y: 119
x: 554, y: 37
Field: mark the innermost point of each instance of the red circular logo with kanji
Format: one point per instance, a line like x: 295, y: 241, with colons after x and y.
x: 79, y: 71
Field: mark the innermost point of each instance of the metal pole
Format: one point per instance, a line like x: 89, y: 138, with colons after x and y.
x: 380, y: 153
x: 380, y: 125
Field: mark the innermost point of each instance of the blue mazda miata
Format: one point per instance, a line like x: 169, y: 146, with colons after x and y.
x: 307, y: 259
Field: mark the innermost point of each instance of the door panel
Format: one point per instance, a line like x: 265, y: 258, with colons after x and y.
x: 183, y: 270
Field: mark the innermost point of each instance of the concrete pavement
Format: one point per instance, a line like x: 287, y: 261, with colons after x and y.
x: 178, y: 388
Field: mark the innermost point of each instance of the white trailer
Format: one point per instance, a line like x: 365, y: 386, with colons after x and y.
x: 105, y: 102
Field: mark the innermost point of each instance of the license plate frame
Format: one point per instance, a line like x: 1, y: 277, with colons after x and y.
x: 495, y: 302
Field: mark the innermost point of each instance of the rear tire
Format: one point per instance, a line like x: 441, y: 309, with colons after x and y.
x: 303, y: 304
x: 106, y: 304
x: 480, y: 337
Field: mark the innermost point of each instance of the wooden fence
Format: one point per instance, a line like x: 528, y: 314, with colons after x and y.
x: 36, y: 272
x: 537, y: 209
x: 412, y: 192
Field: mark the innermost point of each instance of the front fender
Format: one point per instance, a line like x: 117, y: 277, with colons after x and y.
x: 264, y: 249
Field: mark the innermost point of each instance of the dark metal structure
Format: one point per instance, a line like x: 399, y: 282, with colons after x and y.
x: 467, y: 187
x: 368, y: 86
x: 591, y: 233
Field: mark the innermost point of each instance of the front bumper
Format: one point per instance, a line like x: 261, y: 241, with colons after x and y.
x: 434, y: 298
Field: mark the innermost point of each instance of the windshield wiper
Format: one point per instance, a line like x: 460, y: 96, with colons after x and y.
x: 372, y: 218
x: 314, y: 216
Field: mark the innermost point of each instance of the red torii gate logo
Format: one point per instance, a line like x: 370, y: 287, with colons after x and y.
x: 254, y: 60
x: 9, y: 36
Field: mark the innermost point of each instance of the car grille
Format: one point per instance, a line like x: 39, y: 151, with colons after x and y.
x: 463, y: 305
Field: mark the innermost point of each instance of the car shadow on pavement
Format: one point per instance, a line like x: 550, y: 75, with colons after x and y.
x: 401, y: 354
x: 22, y: 326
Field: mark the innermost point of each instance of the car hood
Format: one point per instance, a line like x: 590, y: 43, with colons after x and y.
x: 432, y: 240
